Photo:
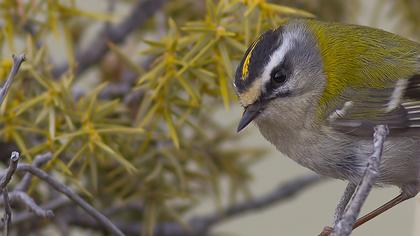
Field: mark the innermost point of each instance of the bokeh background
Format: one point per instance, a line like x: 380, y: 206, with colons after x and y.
x: 176, y: 167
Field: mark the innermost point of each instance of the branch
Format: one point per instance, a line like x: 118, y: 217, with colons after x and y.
x: 104, y: 221
x: 345, y: 225
x: 115, y: 34
x: 17, y: 61
x: 14, y: 158
x: 200, y: 225
x: 27, y: 201
x: 4, y: 181
x: 13, y: 163
x: 26, y: 180
x: 7, y: 218
x: 30, y: 216
x: 281, y: 193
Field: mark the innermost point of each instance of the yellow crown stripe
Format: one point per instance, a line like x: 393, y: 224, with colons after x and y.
x: 245, y: 67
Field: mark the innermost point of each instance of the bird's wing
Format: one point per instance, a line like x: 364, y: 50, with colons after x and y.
x: 372, y: 77
x: 397, y: 105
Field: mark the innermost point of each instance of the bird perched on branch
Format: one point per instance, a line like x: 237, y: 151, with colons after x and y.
x: 316, y: 90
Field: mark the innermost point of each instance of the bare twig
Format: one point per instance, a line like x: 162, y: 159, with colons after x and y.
x: 115, y: 34
x: 281, y: 193
x: 7, y: 218
x: 17, y: 61
x: 30, y: 216
x: 345, y: 225
x: 27, y: 201
x: 4, y: 181
x: 14, y: 158
x: 200, y: 225
x: 19, y: 196
x: 26, y: 180
x: 105, y: 222
x: 13, y: 163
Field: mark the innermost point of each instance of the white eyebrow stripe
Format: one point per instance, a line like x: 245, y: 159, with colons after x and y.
x: 278, y: 55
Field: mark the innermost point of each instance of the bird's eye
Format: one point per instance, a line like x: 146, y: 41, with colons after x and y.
x: 278, y: 76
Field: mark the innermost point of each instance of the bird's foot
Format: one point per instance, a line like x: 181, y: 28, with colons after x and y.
x: 326, y: 231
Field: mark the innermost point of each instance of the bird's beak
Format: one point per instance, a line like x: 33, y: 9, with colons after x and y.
x: 250, y: 113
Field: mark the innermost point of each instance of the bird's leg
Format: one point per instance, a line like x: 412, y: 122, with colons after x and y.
x: 342, y: 204
x: 348, y: 193
x: 395, y: 201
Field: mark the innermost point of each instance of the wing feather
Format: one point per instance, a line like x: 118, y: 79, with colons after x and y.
x: 371, y: 108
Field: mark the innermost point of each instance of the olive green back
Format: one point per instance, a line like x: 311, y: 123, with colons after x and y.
x: 360, y: 57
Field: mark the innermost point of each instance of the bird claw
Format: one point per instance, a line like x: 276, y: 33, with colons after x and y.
x: 326, y: 231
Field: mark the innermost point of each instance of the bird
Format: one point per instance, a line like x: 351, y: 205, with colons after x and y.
x: 316, y: 90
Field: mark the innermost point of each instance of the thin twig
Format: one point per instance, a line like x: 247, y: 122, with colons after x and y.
x: 13, y: 163
x: 39, y: 160
x: 345, y: 225
x: 28, y: 216
x: 4, y: 181
x: 17, y: 61
x: 24, y: 199
x: 7, y: 218
x: 115, y: 34
x: 105, y: 222
x: 281, y: 193
x: 19, y: 196
x: 200, y: 225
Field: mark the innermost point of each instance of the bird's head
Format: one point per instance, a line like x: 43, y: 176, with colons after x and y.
x: 281, y: 64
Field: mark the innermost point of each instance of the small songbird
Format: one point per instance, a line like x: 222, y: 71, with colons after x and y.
x: 316, y: 90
